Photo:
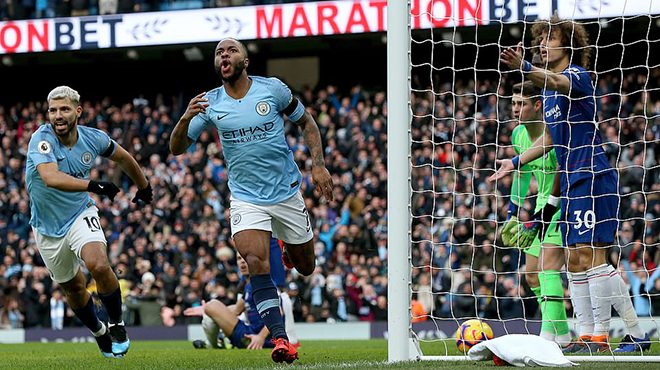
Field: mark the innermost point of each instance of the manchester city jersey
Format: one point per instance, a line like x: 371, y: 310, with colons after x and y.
x: 54, y: 211
x: 574, y: 131
x: 260, y: 165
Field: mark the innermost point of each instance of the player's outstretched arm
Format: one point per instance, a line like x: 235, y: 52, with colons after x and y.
x: 131, y: 167
x: 541, y: 77
x: 320, y: 174
x: 179, y: 140
x: 541, y: 146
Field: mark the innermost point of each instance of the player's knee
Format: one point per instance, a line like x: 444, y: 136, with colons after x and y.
x: 257, y: 265
x: 586, y: 260
x: 306, y: 269
x: 532, y: 280
x: 98, y: 267
x: 75, y: 290
x: 210, y: 306
x: 574, y: 262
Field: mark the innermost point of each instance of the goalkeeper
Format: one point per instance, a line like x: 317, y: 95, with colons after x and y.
x: 544, y: 259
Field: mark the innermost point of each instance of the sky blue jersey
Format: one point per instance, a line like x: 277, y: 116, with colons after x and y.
x: 260, y: 165
x: 54, y: 211
x: 573, y: 127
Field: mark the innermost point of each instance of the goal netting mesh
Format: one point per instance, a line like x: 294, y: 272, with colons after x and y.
x: 462, y: 122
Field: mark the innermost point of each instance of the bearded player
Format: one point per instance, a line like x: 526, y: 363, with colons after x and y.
x: 544, y: 259
x: 248, y: 113
x: 65, y: 219
x: 587, y: 184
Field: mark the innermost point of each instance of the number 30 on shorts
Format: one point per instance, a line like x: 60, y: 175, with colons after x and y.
x: 589, y: 219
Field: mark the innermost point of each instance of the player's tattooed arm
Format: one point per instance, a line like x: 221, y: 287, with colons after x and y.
x: 320, y: 175
x: 313, y: 138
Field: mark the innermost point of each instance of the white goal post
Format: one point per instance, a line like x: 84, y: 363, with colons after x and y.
x: 398, y: 181
x: 403, y: 342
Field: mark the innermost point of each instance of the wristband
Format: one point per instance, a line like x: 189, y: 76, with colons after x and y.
x: 516, y: 162
x: 513, y: 209
x: 526, y: 66
x: 553, y: 200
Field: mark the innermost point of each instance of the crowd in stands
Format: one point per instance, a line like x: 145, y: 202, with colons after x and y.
x: 177, y: 251
x: 454, y: 228
x: 33, y: 9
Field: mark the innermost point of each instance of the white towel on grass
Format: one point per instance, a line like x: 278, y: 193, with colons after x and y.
x: 520, y: 350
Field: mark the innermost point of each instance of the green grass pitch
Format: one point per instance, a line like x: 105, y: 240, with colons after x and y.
x: 166, y: 355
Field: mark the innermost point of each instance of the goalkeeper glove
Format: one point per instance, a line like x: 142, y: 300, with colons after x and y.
x: 103, y: 188
x: 538, y: 225
x: 146, y: 195
x: 510, y: 228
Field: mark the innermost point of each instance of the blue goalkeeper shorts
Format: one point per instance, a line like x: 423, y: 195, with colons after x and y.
x: 590, y: 210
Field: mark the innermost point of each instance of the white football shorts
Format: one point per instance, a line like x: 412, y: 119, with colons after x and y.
x: 62, y: 255
x: 287, y: 220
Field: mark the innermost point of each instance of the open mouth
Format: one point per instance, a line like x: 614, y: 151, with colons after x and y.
x: 60, y: 125
x: 225, y: 65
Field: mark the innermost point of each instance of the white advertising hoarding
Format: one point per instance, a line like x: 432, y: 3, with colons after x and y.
x: 287, y: 20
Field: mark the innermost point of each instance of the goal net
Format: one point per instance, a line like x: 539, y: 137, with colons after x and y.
x: 450, y: 118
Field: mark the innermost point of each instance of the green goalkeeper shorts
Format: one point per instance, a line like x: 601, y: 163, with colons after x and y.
x: 552, y: 236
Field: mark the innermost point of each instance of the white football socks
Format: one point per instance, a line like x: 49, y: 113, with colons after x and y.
x: 289, y: 320
x: 579, y: 288
x: 563, y: 339
x: 623, y: 305
x: 211, y: 329
x: 547, y: 336
x: 601, y: 291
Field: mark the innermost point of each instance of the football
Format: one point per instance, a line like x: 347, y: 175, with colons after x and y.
x: 472, y: 332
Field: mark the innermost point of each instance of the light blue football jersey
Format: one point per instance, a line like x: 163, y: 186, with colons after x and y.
x: 54, y: 211
x: 260, y: 165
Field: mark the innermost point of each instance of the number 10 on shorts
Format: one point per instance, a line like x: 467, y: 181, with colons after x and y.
x: 93, y: 223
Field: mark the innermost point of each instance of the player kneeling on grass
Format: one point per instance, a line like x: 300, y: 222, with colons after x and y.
x: 65, y: 220
x: 544, y: 259
x: 250, y: 333
x: 588, y: 183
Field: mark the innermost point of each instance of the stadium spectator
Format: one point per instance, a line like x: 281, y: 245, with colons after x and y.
x: 184, y: 235
x: 10, y: 316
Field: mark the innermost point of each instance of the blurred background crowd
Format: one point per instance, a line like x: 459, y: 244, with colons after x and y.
x: 177, y: 251
x: 33, y: 9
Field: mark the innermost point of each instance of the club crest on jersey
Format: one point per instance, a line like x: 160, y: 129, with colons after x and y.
x: 236, y: 219
x: 263, y: 108
x: 87, y: 158
x: 44, y: 147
